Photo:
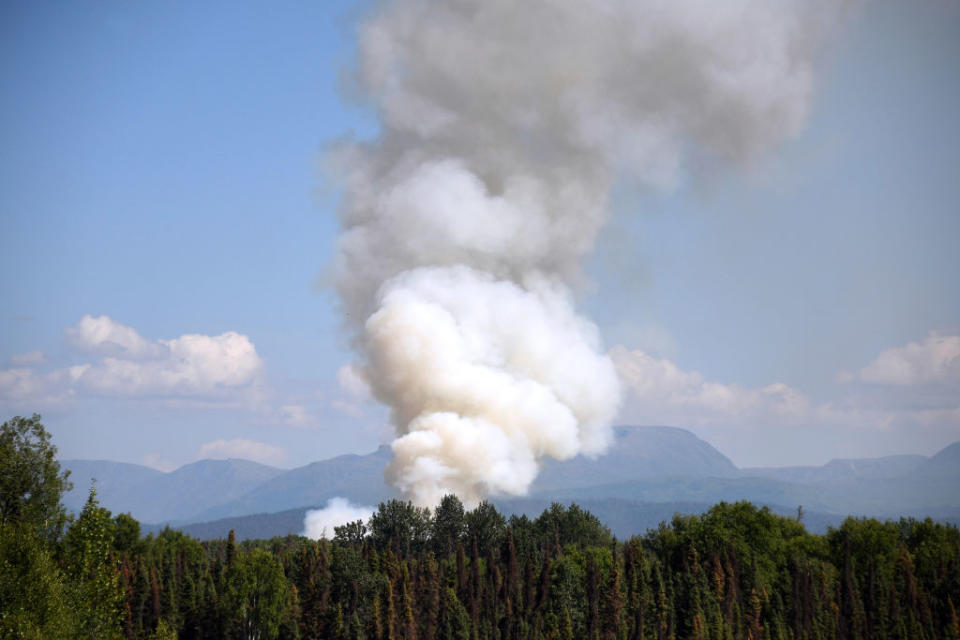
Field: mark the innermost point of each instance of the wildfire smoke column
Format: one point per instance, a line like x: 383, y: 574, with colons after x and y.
x: 504, y: 126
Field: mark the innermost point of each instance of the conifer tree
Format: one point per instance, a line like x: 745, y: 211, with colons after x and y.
x: 409, y: 623
x: 953, y: 624
x: 613, y: 603
x: 593, y: 598
x: 448, y: 526
x: 476, y: 586
x: 430, y: 593
x: 462, y: 585
x: 231, y: 548
x: 392, y: 624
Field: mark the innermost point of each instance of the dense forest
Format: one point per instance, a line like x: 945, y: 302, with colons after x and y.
x: 737, y: 571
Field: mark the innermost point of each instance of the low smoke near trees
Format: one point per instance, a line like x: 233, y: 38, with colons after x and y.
x: 320, y: 523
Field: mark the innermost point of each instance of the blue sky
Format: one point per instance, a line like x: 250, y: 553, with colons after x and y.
x: 162, y: 167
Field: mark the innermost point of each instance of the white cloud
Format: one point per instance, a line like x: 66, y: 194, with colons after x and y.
x: 24, y: 386
x: 190, y: 368
x: 296, y: 415
x: 103, y: 336
x: 319, y: 523
x: 20, y: 383
x: 657, y: 391
x: 935, y: 360
x: 911, y: 387
x: 906, y: 395
x: 29, y: 359
x: 158, y: 462
x: 240, y: 448
x: 188, y: 365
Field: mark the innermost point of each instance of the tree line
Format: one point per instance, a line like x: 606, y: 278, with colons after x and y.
x: 734, y: 572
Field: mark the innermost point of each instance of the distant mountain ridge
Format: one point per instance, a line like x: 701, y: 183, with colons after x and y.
x: 357, y: 477
x: 655, y: 469
x: 945, y: 463
x: 840, y: 469
x: 118, y: 483
x: 638, y: 452
x: 154, y: 496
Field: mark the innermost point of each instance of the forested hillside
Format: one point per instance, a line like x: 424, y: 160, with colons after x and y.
x: 737, y: 571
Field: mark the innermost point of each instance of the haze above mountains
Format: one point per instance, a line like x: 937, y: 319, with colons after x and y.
x: 649, y: 473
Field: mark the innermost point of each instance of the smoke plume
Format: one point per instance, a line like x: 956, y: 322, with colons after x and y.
x: 320, y: 523
x: 504, y: 126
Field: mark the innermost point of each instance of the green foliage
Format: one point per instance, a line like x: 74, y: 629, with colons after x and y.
x: 400, y: 525
x: 737, y: 571
x: 31, y: 483
x: 257, y: 595
x: 567, y: 587
x: 351, y: 533
x: 94, y: 572
x: 572, y: 525
x: 126, y: 533
x: 448, y: 527
x: 485, y: 525
x: 454, y: 622
x: 734, y: 572
x: 32, y: 587
x: 163, y: 632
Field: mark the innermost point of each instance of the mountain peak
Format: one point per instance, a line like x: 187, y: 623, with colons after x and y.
x: 951, y: 451
x: 945, y: 462
x: 224, y: 463
x: 639, y: 452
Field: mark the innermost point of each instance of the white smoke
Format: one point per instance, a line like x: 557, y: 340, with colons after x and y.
x: 319, y: 523
x: 504, y: 126
x: 485, y: 376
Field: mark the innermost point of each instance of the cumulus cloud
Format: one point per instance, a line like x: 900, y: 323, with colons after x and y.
x: 296, y: 415
x: 908, y: 394
x: 934, y: 360
x: 20, y: 383
x: 914, y: 386
x: 23, y: 386
x: 189, y: 364
x: 124, y: 363
x: 660, y: 392
x: 320, y: 523
x: 240, y: 448
x: 103, y: 336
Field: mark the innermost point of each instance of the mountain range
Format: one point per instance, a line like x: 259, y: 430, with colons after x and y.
x: 648, y: 474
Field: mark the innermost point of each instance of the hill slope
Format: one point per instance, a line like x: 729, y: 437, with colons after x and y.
x: 646, y: 465
x: 154, y: 496
x: 358, y: 478
x: 638, y: 452
x: 192, y: 489
x: 843, y: 469
x: 118, y: 483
